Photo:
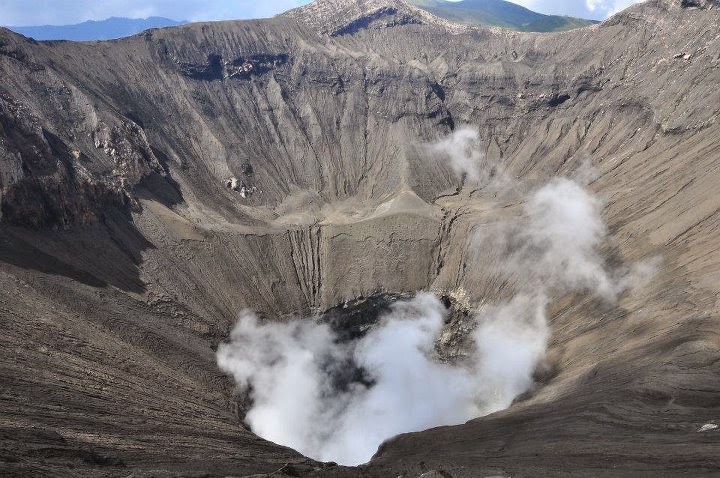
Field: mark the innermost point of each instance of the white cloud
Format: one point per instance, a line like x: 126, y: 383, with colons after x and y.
x: 594, y: 9
x: 608, y: 7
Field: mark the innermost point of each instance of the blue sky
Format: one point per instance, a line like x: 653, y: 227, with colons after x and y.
x: 595, y: 9
x: 62, y: 12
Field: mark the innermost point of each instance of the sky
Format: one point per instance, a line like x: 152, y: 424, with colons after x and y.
x: 594, y: 9
x: 64, y: 12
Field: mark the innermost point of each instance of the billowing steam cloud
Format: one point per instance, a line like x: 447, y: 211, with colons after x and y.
x: 557, y: 242
x: 462, y: 151
x: 462, y: 148
x: 294, y: 371
x: 338, y: 401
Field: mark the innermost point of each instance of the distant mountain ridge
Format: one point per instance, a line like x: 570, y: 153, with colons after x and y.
x: 112, y: 28
x: 500, y: 13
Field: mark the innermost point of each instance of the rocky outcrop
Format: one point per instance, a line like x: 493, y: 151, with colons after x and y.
x: 699, y: 3
x: 342, y: 17
x: 240, y: 68
x: 43, y: 182
x: 61, y: 165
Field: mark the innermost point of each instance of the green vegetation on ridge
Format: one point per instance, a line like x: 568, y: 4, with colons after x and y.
x: 500, y: 13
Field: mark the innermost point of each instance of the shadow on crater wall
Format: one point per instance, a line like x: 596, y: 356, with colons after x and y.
x: 107, y: 254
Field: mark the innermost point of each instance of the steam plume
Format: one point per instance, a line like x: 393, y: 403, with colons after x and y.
x: 462, y: 149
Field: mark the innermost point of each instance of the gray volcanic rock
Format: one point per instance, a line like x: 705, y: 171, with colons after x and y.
x: 340, y: 17
x: 125, y: 258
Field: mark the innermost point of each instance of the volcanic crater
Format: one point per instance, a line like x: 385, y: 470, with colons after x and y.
x: 155, y: 187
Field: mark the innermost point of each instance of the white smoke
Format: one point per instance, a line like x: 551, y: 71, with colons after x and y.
x: 557, y: 241
x: 462, y: 149
x: 283, y: 366
x: 555, y: 246
x: 298, y: 374
x: 291, y: 371
x: 510, y: 342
